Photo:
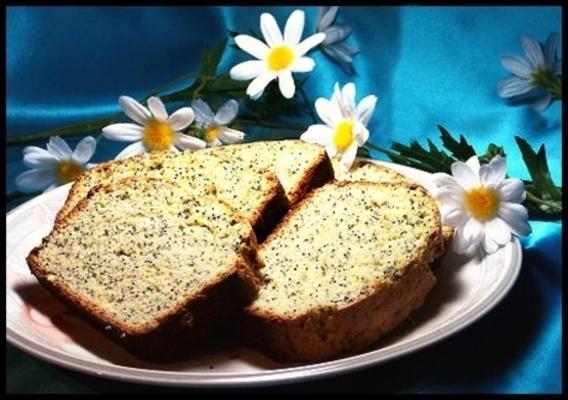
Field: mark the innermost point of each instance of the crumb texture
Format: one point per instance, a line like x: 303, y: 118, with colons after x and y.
x: 342, y: 243
x: 141, y: 248
x: 288, y: 159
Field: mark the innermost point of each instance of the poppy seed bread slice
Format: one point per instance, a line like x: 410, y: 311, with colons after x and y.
x: 299, y: 166
x: 255, y: 194
x: 364, y: 171
x: 344, y: 267
x: 152, y: 264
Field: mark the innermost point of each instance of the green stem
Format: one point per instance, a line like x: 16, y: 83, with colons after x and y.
x: 308, y: 105
x: 381, y: 149
x: 16, y: 194
x: 84, y: 128
x: 274, y: 125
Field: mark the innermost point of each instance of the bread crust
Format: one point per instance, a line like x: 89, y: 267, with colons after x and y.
x: 170, y: 337
x: 317, y: 174
x: 263, y: 221
x: 321, y: 335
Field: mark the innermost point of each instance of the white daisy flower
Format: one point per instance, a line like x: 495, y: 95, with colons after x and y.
x: 278, y: 58
x: 536, y: 76
x: 214, y: 126
x: 345, y: 124
x: 332, y: 47
x: 482, y: 204
x: 55, y: 166
x: 154, y: 129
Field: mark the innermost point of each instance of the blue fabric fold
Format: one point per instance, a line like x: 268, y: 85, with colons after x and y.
x: 428, y: 66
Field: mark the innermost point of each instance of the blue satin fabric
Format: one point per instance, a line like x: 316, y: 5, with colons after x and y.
x: 427, y: 65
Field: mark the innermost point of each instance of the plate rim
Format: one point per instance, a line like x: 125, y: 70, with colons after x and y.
x: 294, y: 374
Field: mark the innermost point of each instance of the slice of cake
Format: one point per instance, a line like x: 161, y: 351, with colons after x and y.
x: 153, y: 264
x: 344, y: 267
x: 365, y: 171
x: 255, y: 193
x: 299, y: 166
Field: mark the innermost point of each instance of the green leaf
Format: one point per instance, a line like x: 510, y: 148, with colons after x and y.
x: 363, y: 152
x: 537, y: 166
x: 492, y: 151
x: 233, y: 33
x: 211, y: 58
x: 432, y: 160
x: 461, y: 150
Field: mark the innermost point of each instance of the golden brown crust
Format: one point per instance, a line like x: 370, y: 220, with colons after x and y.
x: 174, y: 329
x: 317, y: 174
x: 323, y: 334
x: 271, y: 211
x: 350, y: 328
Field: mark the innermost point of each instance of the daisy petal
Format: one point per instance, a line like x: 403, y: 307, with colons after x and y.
x: 473, y: 230
x: 227, y: 113
x: 309, y: 43
x: 59, y: 148
x: 134, y: 110
x: 252, y: 46
x: 550, y: 49
x: 512, y: 190
x: 84, y: 150
x: 303, y: 64
x: 203, y: 113
x: 460, y: 242
x: 286, y: 84
x: 326, y: 17
x: 50, y: 187
x: 361, y: 133
x: 40, y: 160
x: 517, y: 65
x: 441, y: 180
x: 257, y: 86
x: 336, y: 33
x: 35, y: 180
x: 510, y: 87
x: 516, y: 216
x: 270, y: 30
x: 453, y: 215
x: 542, y: 101
x: 181, y: 119
x: 498, y: 230
x: 365, y: 109
x: 494, y: 172
x: 349, y: 156
x: 331, y: 150
x: 174, y: 149
x: 348, y: 99
x: 294, y: 28
x: 189, y: 142
x: 229, y: 135
x: 473, y: 164
x: 131, y: 150
x: 157, y: 109
x: 35, y: 149
x: 489, y: 245
x: 123, y: 132
x: 318, y: 134
x: 247, y: 70
x: 328, y: 111
x: 464, y: 175
x: 533, y: 51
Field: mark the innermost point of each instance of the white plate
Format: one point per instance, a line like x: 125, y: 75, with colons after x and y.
x: 38, y: 324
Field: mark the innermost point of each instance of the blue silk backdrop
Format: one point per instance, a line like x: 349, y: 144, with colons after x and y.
x: 427, y: 65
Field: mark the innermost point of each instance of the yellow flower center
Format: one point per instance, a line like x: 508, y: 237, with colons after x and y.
x: 280, y: 57
x: 343, y: 136
x: 158, y: 135
x: 68, y: 171
x: 542, y: 77
x: 482, y: 203
x: 211, y: 134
